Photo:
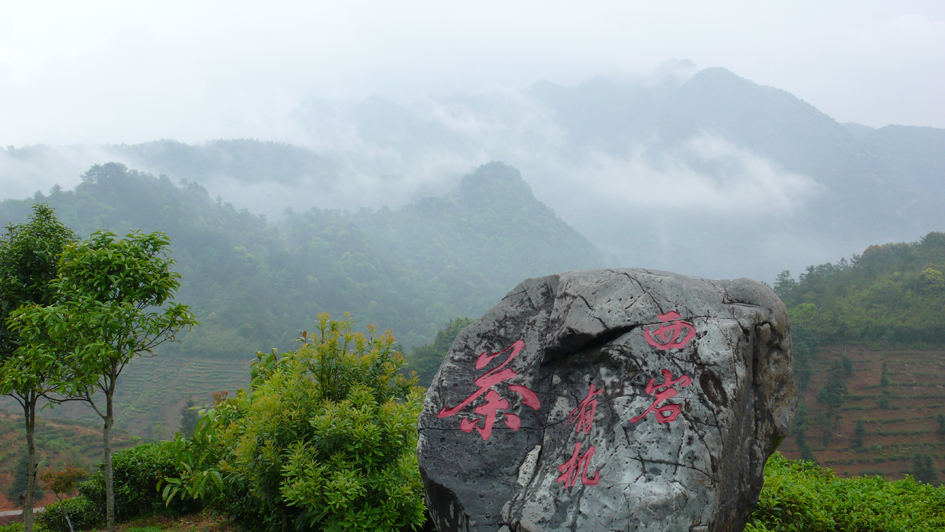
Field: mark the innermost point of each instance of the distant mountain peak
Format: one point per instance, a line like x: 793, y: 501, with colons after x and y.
x: 492, y: 181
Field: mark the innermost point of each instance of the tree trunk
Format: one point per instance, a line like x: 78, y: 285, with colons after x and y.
x: 109, y: 484
x: 29, y: 412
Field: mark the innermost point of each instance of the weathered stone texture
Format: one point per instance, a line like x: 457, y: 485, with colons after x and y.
x: 495, y: 453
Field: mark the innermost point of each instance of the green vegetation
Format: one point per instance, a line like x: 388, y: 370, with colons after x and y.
x: 188, y: 418
x: 426, y: 359
x: 325, y: 439
x: 923, y: 468
x: 137, y: 472
x: 806, y: 349
x: 18, y: 489
x: 893, y: 294
x: 63, y: 482
x: 28, y: 265
x: 114, y: 304
x: 859, y: 433
x: 799, y: 495
x: 253, y: 285
x: 834, y: 392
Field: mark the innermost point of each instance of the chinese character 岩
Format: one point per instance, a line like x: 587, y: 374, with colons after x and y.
x: 668, y: 412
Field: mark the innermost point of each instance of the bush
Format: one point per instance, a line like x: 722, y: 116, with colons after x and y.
x: 137, y: 472
x: 325, y: 440
x: 82, y: 512
x: 799, y: 495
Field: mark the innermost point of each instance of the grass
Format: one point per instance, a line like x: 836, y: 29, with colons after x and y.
x: 798, y: 495
x: 205, y: 521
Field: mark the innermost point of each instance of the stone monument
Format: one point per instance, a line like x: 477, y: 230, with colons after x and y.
x: 600, y: 400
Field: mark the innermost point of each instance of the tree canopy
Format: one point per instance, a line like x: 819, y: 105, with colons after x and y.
x: 325, y: 439
x: 892, y: 293
x: 29, y: 254
x: 113, y: 304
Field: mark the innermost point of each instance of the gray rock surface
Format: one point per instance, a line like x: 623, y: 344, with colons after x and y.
x: 609, y: 400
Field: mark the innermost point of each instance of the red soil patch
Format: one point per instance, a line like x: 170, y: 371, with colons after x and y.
x: 908, y: 426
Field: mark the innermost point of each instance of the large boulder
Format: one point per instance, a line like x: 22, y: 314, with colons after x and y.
x: 609, y: 400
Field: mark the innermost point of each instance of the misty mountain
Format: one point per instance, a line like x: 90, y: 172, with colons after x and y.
x: 711, y: 174
x: 245, y: 160
x: 701, y: 172
x: 254, y: 285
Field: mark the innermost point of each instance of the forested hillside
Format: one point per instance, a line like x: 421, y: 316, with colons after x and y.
x: 892, y: 293
x: 868, y: 338
x: 254, y: 286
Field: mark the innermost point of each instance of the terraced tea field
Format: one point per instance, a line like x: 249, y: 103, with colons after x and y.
x: 900, y: 419
x: 152, y: 391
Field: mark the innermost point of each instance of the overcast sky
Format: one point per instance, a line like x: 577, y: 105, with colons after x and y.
x: 128, y: 72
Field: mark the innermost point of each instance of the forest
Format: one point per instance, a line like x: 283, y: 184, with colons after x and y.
x: 254, y: 285
x: 891, y: 294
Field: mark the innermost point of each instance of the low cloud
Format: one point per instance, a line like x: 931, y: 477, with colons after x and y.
x: 707, y: 175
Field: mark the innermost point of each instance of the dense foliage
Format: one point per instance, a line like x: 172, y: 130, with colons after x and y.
x: 325, y: 439
x: 893, y: 293
x: 29, y: 254
x: 137, y: 472
x: 114, y: 303
x: 82, y: 514
x: 253, y: 284
x: 800, y: 496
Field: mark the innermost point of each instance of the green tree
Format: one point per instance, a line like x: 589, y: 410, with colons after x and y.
x: 784, y: 284
x: 806, y: 348
x: 834, y: 392
x: 859, y: 433
x: 847, y: 365
x: 28, y: 263
x: 804, y: 448
x: 932, y: 281
x: 426, y: 359
x: 324, y: 440
x: 188, y: 418
x: 923, y: 468
x: 114, y: 305
x: 941, y: 423
x: 17, y: 490
x: 63, y: 482
x: 801, y: 421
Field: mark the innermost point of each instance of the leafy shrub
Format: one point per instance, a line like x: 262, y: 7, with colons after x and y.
x: 325, y: 440
x: 799, y: 495
x: 137, y: 472
x: 84, y: 515
x: 12, y: 527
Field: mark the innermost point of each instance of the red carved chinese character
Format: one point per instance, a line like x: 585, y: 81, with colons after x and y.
x: 580, y: 414
x: 671, y: 334
x: 494, y: 402
x: 578, y: 464
x: 660, y: 412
